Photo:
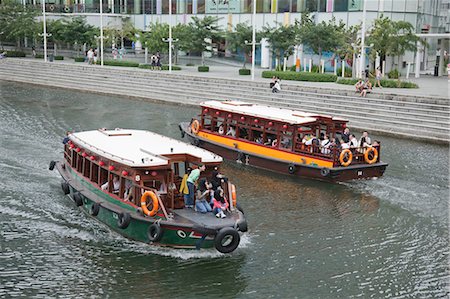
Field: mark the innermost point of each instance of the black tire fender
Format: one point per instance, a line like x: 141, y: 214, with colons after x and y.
x: 52, y: 165
x: 65, y: 188
x: 155, y: 232
x: 223, y: 234
x: 291, y: 168
x: 239, y: 208
x: 242, y: 226
x: 124, y: 220
x: 77, y: 198
x: 325, y: 171
x: 196, y: 141
x: 95, y: 209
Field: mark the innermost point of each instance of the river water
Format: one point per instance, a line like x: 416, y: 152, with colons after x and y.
x: 385, y: 238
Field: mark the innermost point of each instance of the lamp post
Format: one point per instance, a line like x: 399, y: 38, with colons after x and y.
x: 170, y: 36
x: 253, y: 40
x: 363, y: 36
x: 101, y: 32
x: 44, y: 34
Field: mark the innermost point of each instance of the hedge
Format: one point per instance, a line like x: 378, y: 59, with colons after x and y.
x: 190, y: 64
x: 203, y: 68
x: 384, y: 82
x: 59, y: 57
x: 244, y: 72
x: 394, y: 74
x: 121, y: 63
x: 79, y: 59
x: 300, y: 76
x: 15, y: 54
x: 39, y: 56
x: 163, y: 68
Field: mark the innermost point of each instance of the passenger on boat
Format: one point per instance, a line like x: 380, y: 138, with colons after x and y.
x: 204, y: 196
x: 231, y: 132
x: 66, y: 139
x: 344, y: 145
x: 221, y: 130
x: 216, y: 178
x: 116, y: 184
x: 275, y: 143
x: 353, y: 141
x: 220, y: 204
x: 346, y: 135
x: 185, y: 190
x: 325, y: 145
x: 376, y: 143
x: 191, y: 181
x: 259, y: 139
x: 127, y: 194
x: 365, y: 141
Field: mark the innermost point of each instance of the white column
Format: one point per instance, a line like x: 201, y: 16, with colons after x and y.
x: 101, y: 32
x: 417, y: 66
x: 310, y: 65
x: 408, y: 66
x: 253, y: 39
x: 335, y: 66
x: 343, y: 68
x: 170, y: 36
x: 45, y: 30
x: 363, y: 37
x: 265, y: 54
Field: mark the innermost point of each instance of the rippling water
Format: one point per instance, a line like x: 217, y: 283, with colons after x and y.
x: 378, y: 238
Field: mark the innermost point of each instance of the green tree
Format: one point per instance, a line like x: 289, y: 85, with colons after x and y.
x: 282, y: 40
x: 202, y: 32
x: 115, y: 34
x: 154, y: 38
x: 241, y: 38
x: 391, y: 38
x: 17, y: 22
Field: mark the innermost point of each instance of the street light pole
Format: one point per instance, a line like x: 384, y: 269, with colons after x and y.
x: 362, y: 62
x: 170, y: 36
x: 253, y: 40
x: 45, y: 31
x: 101, y: 32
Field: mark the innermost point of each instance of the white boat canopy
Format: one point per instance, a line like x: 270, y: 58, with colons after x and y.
x: 138, y: 148
x: 272, y: 113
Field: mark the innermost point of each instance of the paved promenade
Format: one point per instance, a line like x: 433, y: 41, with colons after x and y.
x: 422, y: 113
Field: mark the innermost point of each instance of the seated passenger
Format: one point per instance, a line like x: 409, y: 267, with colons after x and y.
x: 221, y: 130
x: 220, y: 204
x: 307, y: 140
x: 268, y: 142
x: 216, y: 178
x: 204, y: 196
x: 259, y: 139
x: 344, y: 145
x: 127, y: 194
x: 353, y: 141
x: 231, y: 132
x: 116, y: 184
x: 365, y: 141
x: 325, y: 145
x: 275, y: 143
x: 285, y: 142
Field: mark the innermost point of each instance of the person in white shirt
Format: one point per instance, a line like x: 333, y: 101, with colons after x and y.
x: 231, y: 132
x: 116, y: 184
x: 325, y: 144
x: 353, y: 141
x: 365, y: 141
x: 90, y: 56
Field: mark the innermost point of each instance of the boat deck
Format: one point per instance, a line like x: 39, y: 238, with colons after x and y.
x: 207, y: 219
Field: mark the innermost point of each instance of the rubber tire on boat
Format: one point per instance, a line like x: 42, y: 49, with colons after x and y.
x: 95, y: 209
x: 65, y: 187
x: 221, y: 235
x: 238, y: 206
x: 52, y: 165
x: 155, y: 232
x: 124, y: 220
x: 203, y: 230
x: 325, y: 171
x: 78, y: 199
x: 242, y: 226
x: 240, y: 156
x: 196, y: 141
x: 292, y: 169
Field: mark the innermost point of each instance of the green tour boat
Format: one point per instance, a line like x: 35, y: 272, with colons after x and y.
x: 130, y: 180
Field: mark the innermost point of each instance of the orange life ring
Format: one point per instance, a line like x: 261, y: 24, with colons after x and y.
x: 233, y: 194
x: 342, y: 157
x: 195, y: 126
x: 375, y: 155
x: 144, y: 198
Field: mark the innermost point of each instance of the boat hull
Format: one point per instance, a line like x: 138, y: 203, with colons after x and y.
x: 329, y: 174
x: 174, y: 234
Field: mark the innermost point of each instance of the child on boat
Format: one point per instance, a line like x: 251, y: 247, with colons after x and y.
x: 220, y: 204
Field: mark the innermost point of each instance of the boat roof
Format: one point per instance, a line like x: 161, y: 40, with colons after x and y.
x: 138, y: 148
x: 273, y: 113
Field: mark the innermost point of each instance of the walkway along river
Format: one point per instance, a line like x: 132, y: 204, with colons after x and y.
x: 307, y: 239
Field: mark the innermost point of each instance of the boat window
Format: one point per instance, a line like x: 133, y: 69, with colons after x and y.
x: 74, y: 159
x: 230, y: 128
x: 286, y: 140
x: 79, y: 163
x: 103, y: 178
x: 161, y: 186
x: 94, y: 173
x: 206, y: 119
x: 87, y: 168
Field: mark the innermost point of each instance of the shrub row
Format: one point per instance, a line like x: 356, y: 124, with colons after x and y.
x: 244, y: 72
x: 384, y: 82
x: 79, y: 59
x: 203, y: 68
x: 59, y: 57
x: 300, y: 76
x: 15, y: 54
x: 394, y: 74
x: 121, y: 63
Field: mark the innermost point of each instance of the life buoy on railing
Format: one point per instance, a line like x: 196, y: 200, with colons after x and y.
x: 374, y: 157
x: 346, y: 154
x: 195, y: 126
x: 144, y: 197
x: 51, y: 7
x: 66, y: 8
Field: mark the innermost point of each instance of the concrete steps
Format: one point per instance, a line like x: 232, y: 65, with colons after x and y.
x: 400, y: 116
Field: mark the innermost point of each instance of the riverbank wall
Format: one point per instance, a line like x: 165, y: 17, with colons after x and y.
x: 406, y: 116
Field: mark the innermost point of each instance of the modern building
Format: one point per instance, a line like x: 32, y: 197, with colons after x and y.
x: 427, y: 16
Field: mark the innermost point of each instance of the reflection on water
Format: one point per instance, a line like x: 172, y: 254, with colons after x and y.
x: 307, y: 239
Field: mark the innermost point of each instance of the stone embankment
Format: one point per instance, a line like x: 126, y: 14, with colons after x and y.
x: 400, y: 115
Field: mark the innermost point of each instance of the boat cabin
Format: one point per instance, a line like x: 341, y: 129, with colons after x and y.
x: 126, y: 163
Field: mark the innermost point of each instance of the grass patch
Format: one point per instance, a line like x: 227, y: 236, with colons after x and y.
x: 300, y: 76
x: 384, y: 82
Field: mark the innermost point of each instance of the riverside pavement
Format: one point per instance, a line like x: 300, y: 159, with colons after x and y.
x: 413, y: 116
